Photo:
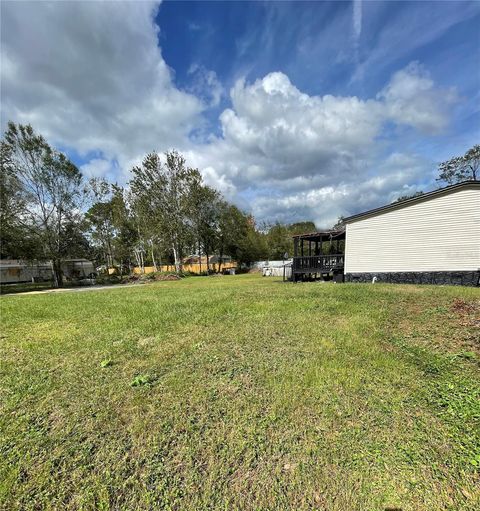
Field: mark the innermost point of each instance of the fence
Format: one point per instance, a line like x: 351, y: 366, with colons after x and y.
x: 192, y: 268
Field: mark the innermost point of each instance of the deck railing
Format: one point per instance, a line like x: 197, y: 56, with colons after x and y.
x: 317, y: 264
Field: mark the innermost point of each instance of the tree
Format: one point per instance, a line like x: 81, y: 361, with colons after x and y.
x: 302, y: 227
x: 15, y: 242
x: 279, y: 241
x: 461, y: 168
x: 406, y: 197
x: 126, y: 234
x: 100, y: 221
x: 49, y: 191
x: 205, y: 207
x: 238, y: 237
x: 162, y: 200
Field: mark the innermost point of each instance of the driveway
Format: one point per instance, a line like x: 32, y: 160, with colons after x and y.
x: 73, y: 289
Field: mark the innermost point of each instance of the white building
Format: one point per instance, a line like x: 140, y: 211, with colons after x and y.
x: 432, y: 238
x: 15, y: 271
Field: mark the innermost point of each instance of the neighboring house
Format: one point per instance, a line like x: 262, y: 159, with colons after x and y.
x: 14, y: 271
x: 433, y: 238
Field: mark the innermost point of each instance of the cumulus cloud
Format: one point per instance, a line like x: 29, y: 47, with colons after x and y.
x: 316, y: 156
x: 325, y: 204
x: 411, y: 98
x: 90, y: 76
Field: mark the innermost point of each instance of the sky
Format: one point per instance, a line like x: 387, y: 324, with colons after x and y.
x: 293, y: 110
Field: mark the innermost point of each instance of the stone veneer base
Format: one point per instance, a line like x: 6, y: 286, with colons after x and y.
x: 453, y: 278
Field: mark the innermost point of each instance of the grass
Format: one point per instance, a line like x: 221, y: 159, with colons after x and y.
x: 241, y: 393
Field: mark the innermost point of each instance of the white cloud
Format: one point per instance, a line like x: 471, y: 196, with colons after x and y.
x: 206, y: 85
x: 324, y: 204
x: 411, y: 98
x: 357, y: 18
x: 300, y: 156
x: 413, y: 26
x: 295, y: 132
x: 90, y: 77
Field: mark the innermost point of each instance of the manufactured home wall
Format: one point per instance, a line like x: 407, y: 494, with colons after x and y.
x: 440, y: 234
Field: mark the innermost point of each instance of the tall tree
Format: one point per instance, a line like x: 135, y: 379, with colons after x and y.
x: 205, y: 217
x: 461, y: 168
x: 49, y: 191
x: 162, y: 198
x: 279, y: 241
x: 15, y: 242
x: 238, y: 236
x: 126, y: 234
x: 302, y: 227
x: 100, y: 221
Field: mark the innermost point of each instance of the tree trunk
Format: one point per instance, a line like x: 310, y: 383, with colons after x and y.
x: 220, y: 257
x: 175, y: 257
x: 57, y: 273
x: 199, y: 257
x: 153, y: 260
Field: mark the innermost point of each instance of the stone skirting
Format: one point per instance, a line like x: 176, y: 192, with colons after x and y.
x: 452, y: 278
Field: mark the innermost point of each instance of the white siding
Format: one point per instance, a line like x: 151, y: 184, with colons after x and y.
x: 438, y: 234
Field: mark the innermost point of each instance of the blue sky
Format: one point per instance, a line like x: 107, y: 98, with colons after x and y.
x: 294, y: 110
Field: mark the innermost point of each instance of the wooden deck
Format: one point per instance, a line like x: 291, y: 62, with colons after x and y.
x: 318, y: 264
x: 317, y: 254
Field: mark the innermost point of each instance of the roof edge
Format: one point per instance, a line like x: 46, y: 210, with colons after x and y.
x: 421, y: 198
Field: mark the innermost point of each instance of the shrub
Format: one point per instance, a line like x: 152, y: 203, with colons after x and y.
x: 108, y: 279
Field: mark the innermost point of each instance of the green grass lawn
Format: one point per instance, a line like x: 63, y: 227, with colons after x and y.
x: 241, y: 393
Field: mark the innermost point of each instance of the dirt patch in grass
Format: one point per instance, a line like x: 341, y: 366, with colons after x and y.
x: 468, y: 312
x: 167, y: 277
x: 449, y: 327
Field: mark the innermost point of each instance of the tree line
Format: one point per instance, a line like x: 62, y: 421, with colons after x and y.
x: 49, y: 211
x: 166, y: 212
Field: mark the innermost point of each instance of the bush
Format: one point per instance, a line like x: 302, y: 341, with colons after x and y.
x: 108, y: 279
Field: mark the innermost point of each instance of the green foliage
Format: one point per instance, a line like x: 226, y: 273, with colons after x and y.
x: 106, y: 280
x: 110, y: 224
x: 279, y: 240
x: 106, y: 363
x: 302, y: 227
x: 162, y: 199
x: 47, y: 194
x: 168, y: 213
x: 410, y: 196
x: 141, y: 380
x: 461, y: 168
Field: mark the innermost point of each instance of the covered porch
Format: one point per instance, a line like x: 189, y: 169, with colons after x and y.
x: 318, y: 255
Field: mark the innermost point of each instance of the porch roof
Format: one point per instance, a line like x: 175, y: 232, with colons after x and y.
x: 324, y: 235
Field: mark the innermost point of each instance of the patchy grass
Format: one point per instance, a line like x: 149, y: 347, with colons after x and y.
x: 241, y: 393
